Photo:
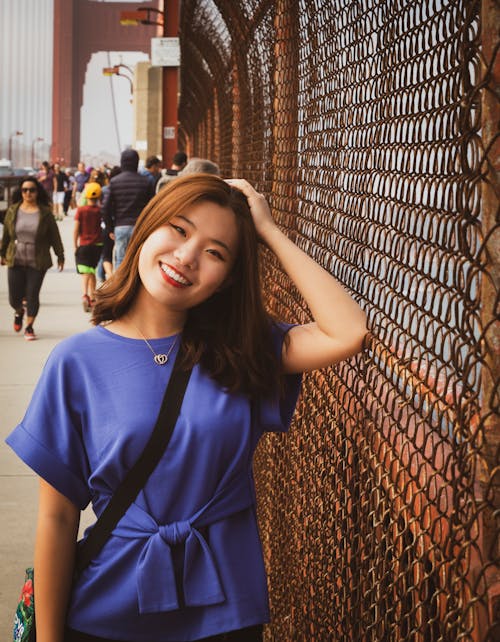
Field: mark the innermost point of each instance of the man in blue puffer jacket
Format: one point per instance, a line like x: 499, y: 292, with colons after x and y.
x: 128, y: 194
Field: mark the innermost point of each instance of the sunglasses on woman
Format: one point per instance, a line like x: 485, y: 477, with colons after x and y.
x: 28, y: 189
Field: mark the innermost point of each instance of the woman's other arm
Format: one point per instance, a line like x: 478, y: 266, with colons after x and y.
x: 339, y: 325
x: 6, y: 235
x: 56, y: 243
x: 55, y: 546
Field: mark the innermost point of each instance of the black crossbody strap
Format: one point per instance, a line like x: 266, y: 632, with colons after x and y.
x: 138, y: 475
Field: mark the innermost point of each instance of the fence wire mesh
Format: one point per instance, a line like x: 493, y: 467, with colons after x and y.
x: 371, y: 125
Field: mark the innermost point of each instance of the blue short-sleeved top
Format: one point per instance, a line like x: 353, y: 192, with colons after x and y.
x: 185, y: 562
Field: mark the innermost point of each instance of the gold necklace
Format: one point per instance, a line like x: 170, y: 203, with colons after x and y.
x: 159, y: 358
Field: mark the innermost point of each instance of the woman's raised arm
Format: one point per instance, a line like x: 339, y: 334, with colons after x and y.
x: 339, y: 325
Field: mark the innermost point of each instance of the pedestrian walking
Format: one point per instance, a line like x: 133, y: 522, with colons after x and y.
x: 81, y: 177
x: 178, y: 163
x: 194, y: 166
x: 61, y: 183
x: 30, y: 231
x: 105, y: 265
x: 46, y: 178
x: 185, y: 560
x: 68, y: 192
x: 128, y: 194
x: 87, y: 239
x: 152, y: 170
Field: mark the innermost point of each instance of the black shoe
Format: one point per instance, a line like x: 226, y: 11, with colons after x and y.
x: 29, y: 333
x: 18, y: 321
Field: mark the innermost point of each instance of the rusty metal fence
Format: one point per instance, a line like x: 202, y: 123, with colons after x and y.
x: 372, y: 126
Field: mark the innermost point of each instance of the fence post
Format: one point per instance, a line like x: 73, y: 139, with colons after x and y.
x: 490, y: 110
x: 285, y: 134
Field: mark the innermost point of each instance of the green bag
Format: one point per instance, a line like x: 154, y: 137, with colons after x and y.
x: 24, y: 620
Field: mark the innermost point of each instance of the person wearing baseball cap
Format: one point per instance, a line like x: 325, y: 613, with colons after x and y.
x: 87, y: 238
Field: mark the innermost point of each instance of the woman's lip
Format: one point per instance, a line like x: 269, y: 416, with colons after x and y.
x: 173, y: 276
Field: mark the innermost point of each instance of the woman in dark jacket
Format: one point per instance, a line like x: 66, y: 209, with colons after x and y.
x: 29, y: 232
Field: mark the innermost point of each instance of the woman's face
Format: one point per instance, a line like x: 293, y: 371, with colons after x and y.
x: 29, y: 193
x: 184, y: 262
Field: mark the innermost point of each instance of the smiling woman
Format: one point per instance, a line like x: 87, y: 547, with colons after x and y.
x: 185, y: 561
x: 195, y: 252
x: 199, y: 230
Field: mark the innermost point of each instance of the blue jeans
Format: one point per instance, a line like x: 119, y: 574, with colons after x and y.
x: 122, y: 238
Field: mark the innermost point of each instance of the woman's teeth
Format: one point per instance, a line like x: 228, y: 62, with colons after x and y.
x: 175, y: 275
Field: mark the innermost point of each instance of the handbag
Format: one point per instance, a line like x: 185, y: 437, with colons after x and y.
x: 127, y: 491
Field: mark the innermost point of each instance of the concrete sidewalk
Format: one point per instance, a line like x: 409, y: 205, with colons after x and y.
x: 60, y: 315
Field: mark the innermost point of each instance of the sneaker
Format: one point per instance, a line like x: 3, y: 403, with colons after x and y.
x: 86, y: 303
x: 18, y: 321
x: 29, y: 333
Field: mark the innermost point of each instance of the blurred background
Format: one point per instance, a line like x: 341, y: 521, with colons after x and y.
x: 26, y: 72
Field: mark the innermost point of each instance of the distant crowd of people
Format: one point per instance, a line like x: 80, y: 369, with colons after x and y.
x: 105, y: 201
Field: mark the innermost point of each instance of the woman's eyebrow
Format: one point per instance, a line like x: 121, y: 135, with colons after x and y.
x: 215, y: 241
x: 185, y: 219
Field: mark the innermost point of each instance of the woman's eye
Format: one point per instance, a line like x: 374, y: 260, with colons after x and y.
x: 178, y: 229
x: 217, y: 254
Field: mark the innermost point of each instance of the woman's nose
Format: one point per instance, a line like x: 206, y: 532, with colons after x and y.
x: 187, y: 254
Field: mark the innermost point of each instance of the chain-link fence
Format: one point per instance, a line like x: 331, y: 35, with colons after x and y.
x: 372, y: 127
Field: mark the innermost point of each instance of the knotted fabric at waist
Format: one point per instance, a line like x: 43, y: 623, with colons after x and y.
x: 156, y: 584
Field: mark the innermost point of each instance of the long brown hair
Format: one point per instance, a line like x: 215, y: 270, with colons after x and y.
x: 229, y: 334
x: 42, y: 198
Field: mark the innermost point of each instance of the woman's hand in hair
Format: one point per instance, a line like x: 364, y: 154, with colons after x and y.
x: 339, y: 324
x: 259, y: 208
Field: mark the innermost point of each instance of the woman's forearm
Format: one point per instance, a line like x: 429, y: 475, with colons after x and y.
x: 333, y: 309
x: 54, y: 563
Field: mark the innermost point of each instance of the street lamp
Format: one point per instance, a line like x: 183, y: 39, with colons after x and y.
x: 38, y: 139
x: 16, y: 133
x: 169, y: 74
x: 115, y: 71
x: 140, y: 17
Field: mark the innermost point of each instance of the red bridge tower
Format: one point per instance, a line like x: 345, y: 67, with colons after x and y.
x: 81, y: 28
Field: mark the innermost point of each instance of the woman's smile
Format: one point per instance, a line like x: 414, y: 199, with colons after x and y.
x: 173, y: 276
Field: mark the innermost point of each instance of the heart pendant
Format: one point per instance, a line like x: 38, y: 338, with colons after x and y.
x: 160, y: 359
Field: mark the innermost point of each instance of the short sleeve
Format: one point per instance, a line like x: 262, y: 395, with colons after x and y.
x: 49, y: 439
x: 276, y: 412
